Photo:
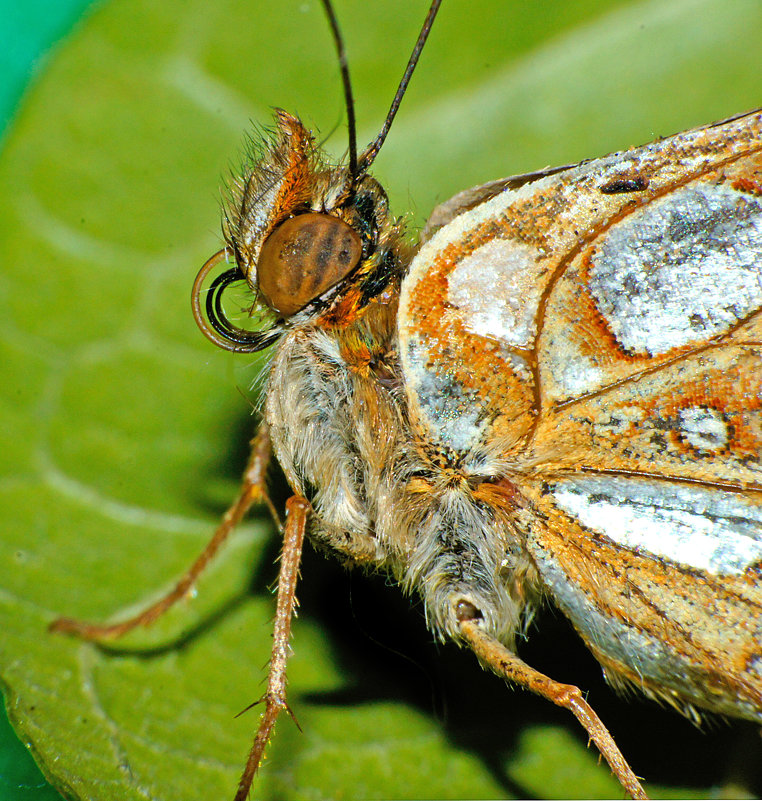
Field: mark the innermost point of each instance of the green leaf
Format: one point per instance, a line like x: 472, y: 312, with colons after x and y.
x: 124, y: 433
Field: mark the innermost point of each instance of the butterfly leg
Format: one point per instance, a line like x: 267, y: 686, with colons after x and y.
x: 253, y: 491
x: 501, y: 661
x: 297, y: 511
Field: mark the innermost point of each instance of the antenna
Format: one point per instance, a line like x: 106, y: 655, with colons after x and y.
x: 361, y: 166
x: 371, y: 151
x: 219, y: 329
x: 348, y: 99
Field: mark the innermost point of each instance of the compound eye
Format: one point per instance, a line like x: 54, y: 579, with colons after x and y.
x: 302, y: 258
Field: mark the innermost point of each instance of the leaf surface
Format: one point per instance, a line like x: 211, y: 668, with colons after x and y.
x: 124, y: 434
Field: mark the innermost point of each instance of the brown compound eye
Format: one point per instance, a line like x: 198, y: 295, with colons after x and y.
x: 302, y: 258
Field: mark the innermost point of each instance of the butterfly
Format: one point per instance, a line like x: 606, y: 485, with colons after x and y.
x: 555, y: 396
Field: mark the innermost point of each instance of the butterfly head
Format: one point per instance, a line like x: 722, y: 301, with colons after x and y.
x: 315, y: 243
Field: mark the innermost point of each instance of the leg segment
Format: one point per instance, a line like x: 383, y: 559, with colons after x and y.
x: 297, y: 511
x: 253, y: 491
x: 506, y: 664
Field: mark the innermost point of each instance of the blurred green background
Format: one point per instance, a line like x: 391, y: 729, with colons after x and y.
x: 28, y: 32
x: 125, y: 435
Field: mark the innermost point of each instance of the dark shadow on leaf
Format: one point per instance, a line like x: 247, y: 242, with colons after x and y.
x: 379, y: 639
x: 175, y: 643
x: 380, y: 643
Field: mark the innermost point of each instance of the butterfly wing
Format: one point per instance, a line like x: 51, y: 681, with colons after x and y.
x: 595, y: 335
